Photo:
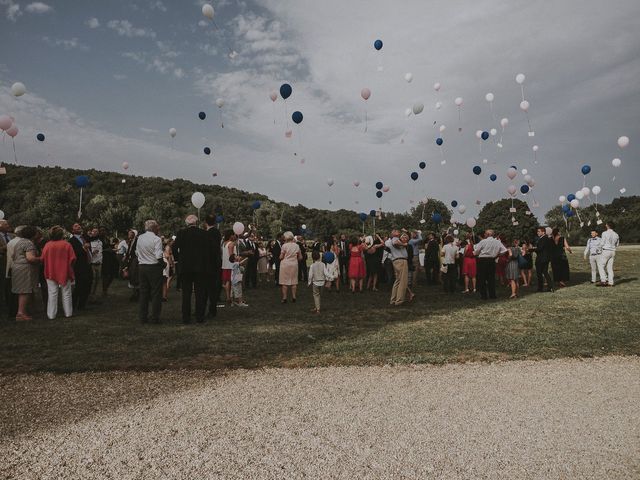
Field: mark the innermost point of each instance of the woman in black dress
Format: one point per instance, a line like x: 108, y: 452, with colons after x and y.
x: 559, y: 260
x: 373, y: 261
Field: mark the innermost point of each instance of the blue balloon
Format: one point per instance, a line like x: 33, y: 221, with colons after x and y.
x: 328, y: 257
x: 485, y: 135
x: 377, y: 44
x: 219, y: 219
x: 296, y: 117
x: 372, y: 213
x: 207, y: 151
x: 513, y: 166
x: 202, y: 115
x: 285, y: 90
x: 363, y: 216
x: 570, y: 213
x: 436, y: 218
x: 379, y: 185
x: 566, y: 208
x: 379, y: 194
x: 414, y: 176
x: 493, y: 177
x: 477, y: 170
x: 422, y: 165
x: 256, y: 205
x: 82, y: 181
x: 454, y: 203
x: 586, y: 169
x: 439, y: 141
x: 524, y: 189
x: 570, y: 197
x: 40, y: 137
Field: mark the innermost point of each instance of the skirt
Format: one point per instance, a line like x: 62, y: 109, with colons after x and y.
x: 512, y: 271
x: 226, y: 275
x: 469, y: 267
x: 288, y: 272
x: 24, y: 278
x: 263, y: 265
x: 356, y: 268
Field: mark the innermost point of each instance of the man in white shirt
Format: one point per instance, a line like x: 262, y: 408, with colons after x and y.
x: 486, y: 251
x: 610, y: 241
x: 151, y: 264
x: 95, y: 247
x: 592, y: 251
x: 398, y: 250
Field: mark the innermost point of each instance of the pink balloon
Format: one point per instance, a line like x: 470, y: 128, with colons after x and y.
x: 12, y: 131
x: 356, y: 183
x: 5, y: 122
x: 288, y: 133
x: 511, y: 189
x: 365, y: 93
x: 511, y: 173
x: 273, y: 96
x: 385, y: 189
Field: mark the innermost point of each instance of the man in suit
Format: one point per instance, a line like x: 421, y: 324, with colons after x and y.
x: 213, y: 283
x: 543, y: 249
x: 275, y: 252
x: 5, y: 283
x: 343, y: 258
x: 432, y: 260
x: 81, y: 267
x: 252, y: 254
x: 195, y: 252
x: 303, y: 271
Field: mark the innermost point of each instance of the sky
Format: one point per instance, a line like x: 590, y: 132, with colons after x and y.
x: 107, y: 80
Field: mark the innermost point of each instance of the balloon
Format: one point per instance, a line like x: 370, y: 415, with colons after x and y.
x: 454, y: 203
x: 436, y: 218
x: 586, y: 169
x: 328, y: 257
x: 477, y: 170
x: 616, y: 162
x: 330, y: 182
x: 596, y: 190
x: 535, y: 148
x: 493, y: 132
x: 40, y: 137
x: 461, y: 209
x: 485, y: 135
x: 442, y: 128
x: 288, y: 133
x: 623, y: 141
x: 220, y: 102
x: 379, y: 194
x: 504, y: 122
x: 570, y: 197
x: 1, y: 215
x: 202, y: 115
x: 356, y: 183
x: 586, y: 191
x: 524, y: 106
x: 219, y: 219
x: 377, y: 44
x: 386, y: 188
x: 285, y: 90
x: 439, y: 141
x: 511, y: 189
x: 520, y: 78
x: 408, y: 112
x: 238, y: 228
x: 5, y: 122
x: 125, y: 165
x: 471, y: 222
x: 379, y: 185
x: 438, y: 105
x: 524, y: 189
x: 570, y: 214
x: 372, y: 213
x: 562, y: 199
x: 82, y: 181
x: 304, y: 227
x: 207, y: 11
x: 458, y: 101
x: 531, y: 182
x: 408, y: 77
x: 173, y: 132
x: 418, y: 108
x: 365, y: 93
x: 566, y: 208
x: 12, y: 131
x: 579, y: 195
x: 422, y: 165
x: 436, y: 86
x: 363, y: 216
x: 273, y: 95
x: 256, y: 205
x: 527, y: 178
x: 493, y: 177
x: 207, y: 151
x: 489, y: 97
x: 575, y: 203
x: 197, y: 199
x: 524, y: 171
x: 512, y: 172
x: 297, y: 117
x: 18, y: 89
x: 479, y: 134
x: 414, y: 176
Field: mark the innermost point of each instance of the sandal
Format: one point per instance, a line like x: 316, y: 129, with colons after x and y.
x: 23, y: 317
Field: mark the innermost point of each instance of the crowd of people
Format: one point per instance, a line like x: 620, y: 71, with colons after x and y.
x: 215, y: 268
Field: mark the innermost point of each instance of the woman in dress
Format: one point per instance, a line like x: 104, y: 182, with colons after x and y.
x: 263, y: 262
x: 25, y: 270
x: 228, y: 249
x: 169, y: 268
x: 356, y: 270
x: 469, y: 267
x: 502, y: 261
x: 290, y: 255
x: 526, y: 267
x: 373, y: 261
x: 512, y: 269
x: 58, y: 258
x: 559, y: 260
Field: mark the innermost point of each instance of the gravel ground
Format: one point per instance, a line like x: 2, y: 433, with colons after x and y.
x: 549, y: 419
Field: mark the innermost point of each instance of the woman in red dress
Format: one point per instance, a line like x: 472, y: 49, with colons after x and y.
x: 501, y: 263
x: 357, y: 271
x: 469, y: 265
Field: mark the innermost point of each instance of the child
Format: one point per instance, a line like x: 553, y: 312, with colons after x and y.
x: 331, y: 270
x: 317, y: 278
x: 237, y: 269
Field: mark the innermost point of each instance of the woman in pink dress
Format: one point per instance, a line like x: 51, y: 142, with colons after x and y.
x: 357, y: 272
x: 469, y: 265
x: 290, y: 255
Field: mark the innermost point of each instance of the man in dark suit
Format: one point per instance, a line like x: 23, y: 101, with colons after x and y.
x: 343, y: 258
x: 432, y: 260
x: 275, y: 252
x: 303, y: 271
x: 543, y: 249
x: 251, y: 252
x: 81, y: 267
x: 213, y: 283
x: 195, y: 251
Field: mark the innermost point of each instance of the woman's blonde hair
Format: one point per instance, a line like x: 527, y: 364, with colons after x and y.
x: 288, y: 236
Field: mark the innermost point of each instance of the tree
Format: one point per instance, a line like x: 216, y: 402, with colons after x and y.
x: 518, y: 224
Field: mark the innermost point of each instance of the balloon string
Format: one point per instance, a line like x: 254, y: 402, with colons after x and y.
x: 15, y: 157
x: 80, y: 206
x: 522, y: 91
x: 273, y: 104
x: 528, y: 121
x: 220, y: 114
x: 286, y: 114
x: 224, y: 39
x: 493, y: 114
x: 366, y: 126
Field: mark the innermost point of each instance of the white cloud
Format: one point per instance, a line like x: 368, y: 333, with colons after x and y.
x: 158, y: 5
x: 38, y: 8
x: 70, y: 44
x: 156, y: 63
x: 125, y: 28
x: 92, y: 23
x: 13, y: 11
x: 203, y: 23
x: 167, y: 50
x: 148, y: 130
x: 208, y: 48
x: 178, y: 73
x: 119, y: 76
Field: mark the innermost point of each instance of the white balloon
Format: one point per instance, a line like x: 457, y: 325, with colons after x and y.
x: 575, y: 203
x: 18, y: 89
x: 438, y: 105
x: 479, y: 134
x: 1, y: 215
x: 579, y: 195
x: 623, y: 141
x: 442, y: 128
x: 197, y: 199
x: 511, y: 173
x: 408, y: 112
x: 504, y: 122
x: 511, y: 189
x: 462, y: 209
x: 124, y: 181
x: 562, y: 199
x: 456, y: 232
x: 531, y: 182
x: 356, y: 183
x: 458, y: 101
x: 485, y: 161
x: 304, y: 227
x: 238, y: 228
x: 125, y: 165
x: 525, y: 171
x: 418, y: 108
x: 408, y: 77
x: 520, y: 78
x: 489, y: 97
x: 596, y: 190
x: 586, y: 191
x: 535, y: 148
x: 330, y: 182
x: 616, y: 162
x: 173, y: 132
x: 207, y: 11
x: 471, y: 222
x: 220, y: 102
x: 527, y: 178
x: 436, y: 86
x: 493, y: 132
x: 524, y: 106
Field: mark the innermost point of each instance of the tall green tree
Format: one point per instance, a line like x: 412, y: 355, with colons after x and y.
x: 518, y: 224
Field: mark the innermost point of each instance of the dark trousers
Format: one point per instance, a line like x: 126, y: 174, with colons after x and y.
x: 212, y: 292
x: 431, y: 271
x: 344, y: 268
x: 82, y: 289
x: 303, y: 273
x: 450, y: 278
x: 151, y: 281
x: 251, y: 274
x: 194, y: 281
x: 542, y: 272
x: 277, y: 264
x: 487, y: 277
x: 10, y: 298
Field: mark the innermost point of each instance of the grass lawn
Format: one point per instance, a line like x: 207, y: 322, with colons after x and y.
x: 360, y: 329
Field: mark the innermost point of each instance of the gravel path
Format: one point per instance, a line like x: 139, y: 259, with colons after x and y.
x: 548, y: 419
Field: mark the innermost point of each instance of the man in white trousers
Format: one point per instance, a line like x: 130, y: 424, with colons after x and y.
x: 592, y: 252
x: 610, y: 241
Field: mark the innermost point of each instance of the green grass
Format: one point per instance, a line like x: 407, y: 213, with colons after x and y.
x: 579, y: 321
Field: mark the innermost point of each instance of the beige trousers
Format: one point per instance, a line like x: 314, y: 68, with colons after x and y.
x: 399, y: 291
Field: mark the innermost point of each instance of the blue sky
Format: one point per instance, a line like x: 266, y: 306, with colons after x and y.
x: 106, y: 80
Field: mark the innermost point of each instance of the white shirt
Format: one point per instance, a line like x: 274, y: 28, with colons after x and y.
x: 96, y: 251
x: 316, y: 274
x: 149, y: 249
x: 489, y: 248
x: 10, y: 247
x: 450, y: 252
x: 123, y: 247
x: 610, y: 240
x: 594, y: 246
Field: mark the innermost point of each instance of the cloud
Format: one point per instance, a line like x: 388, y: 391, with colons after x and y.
x: 156, y: 63
x: 148, y: 130
x: 71, y: 44
x: 125, y: 28
x: 167, y: 50
x: 13, y: 11
x: 92, y: 23
x: 157, y: 5
x: 208, y: 49
x: 119, y: 76
x: 38, y: 8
